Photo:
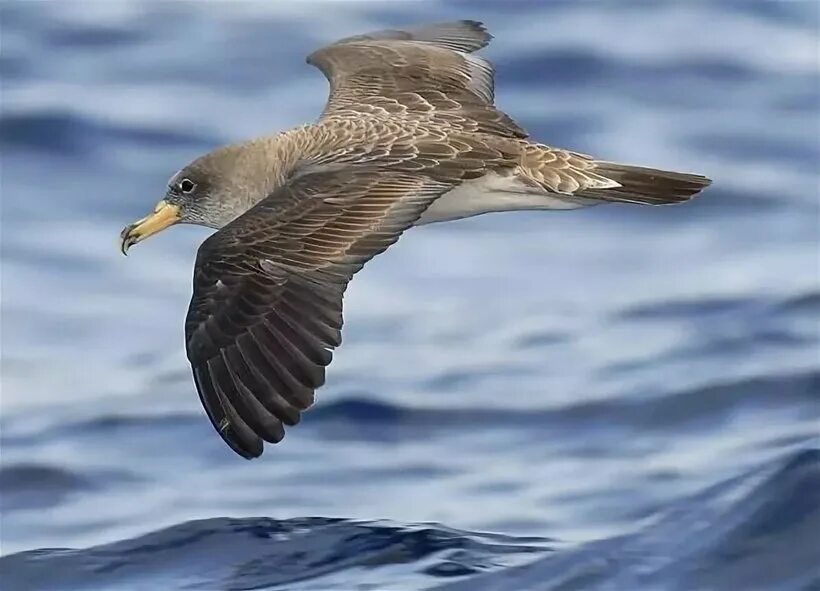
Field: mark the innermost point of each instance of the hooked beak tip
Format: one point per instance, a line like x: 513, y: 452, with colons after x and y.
x: 165, y: 214
x: 126, y: 239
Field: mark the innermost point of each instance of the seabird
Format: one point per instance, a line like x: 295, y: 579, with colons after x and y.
x: 410, y: 135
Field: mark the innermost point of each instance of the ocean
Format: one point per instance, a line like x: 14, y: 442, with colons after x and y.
x: 618, y: 398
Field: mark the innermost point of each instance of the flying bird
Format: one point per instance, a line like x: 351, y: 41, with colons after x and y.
x: 410, y: 135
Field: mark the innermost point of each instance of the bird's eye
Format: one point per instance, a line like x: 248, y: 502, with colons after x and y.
x: 186, y: 185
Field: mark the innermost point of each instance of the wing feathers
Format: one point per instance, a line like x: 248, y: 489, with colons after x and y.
x: 267, y: 303
x: 250, y: 410
x: 251, y: 367
x: 427, y: 72
x: 225, y: 419
x: 464, y: 35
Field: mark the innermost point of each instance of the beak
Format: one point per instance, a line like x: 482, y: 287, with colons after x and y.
x: 165, y: 214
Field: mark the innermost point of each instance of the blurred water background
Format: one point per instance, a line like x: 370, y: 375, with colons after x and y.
x: 627, y: 397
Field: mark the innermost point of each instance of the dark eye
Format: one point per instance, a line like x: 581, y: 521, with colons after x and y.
x: 186, y: 185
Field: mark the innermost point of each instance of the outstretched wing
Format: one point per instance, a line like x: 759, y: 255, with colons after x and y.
x: 267, y: 303
x: 429, y: 71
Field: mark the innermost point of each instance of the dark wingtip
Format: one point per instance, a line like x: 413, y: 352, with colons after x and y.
x: 248, y: 454
x: 225, y: 420
x: 479, y: 27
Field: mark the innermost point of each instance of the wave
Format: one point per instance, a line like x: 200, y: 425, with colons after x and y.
x: 665, y: 409
x: 261, y: 552
x: 670, y: 409
x: 755, y: 531
x: 63, y: 132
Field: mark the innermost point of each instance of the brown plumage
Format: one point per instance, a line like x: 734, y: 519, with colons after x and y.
x: 410, y: 135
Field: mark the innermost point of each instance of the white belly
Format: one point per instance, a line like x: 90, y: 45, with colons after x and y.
x: 494, y: 192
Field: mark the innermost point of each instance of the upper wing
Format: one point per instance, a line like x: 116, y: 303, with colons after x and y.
x: 267, y: 303
x: 428, y: 71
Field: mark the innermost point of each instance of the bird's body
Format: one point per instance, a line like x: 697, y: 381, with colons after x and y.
x: 409, y: 136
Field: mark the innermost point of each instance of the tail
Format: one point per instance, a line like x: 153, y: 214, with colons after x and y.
x: 646, y: 186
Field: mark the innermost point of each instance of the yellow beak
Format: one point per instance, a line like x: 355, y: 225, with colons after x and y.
x: 165, y: 214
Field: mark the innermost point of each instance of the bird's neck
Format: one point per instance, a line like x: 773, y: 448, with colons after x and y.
x: 289, y: 155
x: 284, y: 155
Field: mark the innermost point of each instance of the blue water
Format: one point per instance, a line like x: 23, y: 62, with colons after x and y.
x: 627, y: 398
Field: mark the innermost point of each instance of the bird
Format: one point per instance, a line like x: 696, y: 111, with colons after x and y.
x: 410, y: 135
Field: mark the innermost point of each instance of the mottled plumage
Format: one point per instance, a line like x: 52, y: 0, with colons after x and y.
x: 410, y: 135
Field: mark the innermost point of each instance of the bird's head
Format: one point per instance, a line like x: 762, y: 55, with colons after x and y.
x: 210, y: 191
